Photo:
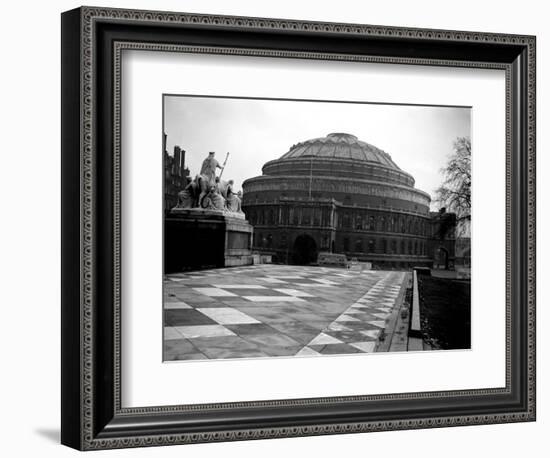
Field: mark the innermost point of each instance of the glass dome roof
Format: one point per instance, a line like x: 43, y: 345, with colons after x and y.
x: 340, y: 146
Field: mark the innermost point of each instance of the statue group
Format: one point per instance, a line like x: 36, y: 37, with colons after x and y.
x: 207, y: 191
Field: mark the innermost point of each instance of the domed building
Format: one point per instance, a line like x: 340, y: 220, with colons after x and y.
x: 338, y: 194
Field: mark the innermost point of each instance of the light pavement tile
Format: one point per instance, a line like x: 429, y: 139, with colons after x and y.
x: 176, y: 305
x: 338, y: 327
x: 236, y: 286
x: 379, y: 324
x: 273, y: 299
x: 214, y: 292
x: 367, y: 347
x: 314, y: 285
x: 212, y: 330
x: 326, y: 282
x: 226, y: 315
x: 272, y: 280
x: 306, y: 351
x: 372, y: 333
x: 293, y: 292
x: 171, y: 333
x: 324, y: 339
x: 382, y: 316
x: 354, y: 311
x: 345, y: 318
x: 288, y: 277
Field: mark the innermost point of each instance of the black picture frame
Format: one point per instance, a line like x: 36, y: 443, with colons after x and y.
x: 92, y: 416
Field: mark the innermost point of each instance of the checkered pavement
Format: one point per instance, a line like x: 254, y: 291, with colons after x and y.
x: 271, y: 310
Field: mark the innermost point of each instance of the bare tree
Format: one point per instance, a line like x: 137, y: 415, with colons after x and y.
x: 455, y: 192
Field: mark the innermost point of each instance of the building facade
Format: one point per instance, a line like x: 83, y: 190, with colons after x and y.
x: 338, y: 194
x: 176, y: 175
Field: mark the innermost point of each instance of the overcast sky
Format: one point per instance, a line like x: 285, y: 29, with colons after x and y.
x: 419, y: 139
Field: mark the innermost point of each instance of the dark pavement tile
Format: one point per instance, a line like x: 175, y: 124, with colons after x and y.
x: 251, y: 329
x: 180, y: 349
x: 185, y: 317
x: 272, y: 340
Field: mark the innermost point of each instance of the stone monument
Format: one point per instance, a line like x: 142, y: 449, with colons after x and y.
x: 207, y: 228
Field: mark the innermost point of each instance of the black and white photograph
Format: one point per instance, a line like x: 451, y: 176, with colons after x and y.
x: 307, y: 228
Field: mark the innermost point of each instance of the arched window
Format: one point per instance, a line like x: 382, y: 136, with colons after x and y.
x: 410, y: 247
x: 393, y: 246
x: 382, y: 223
x: 384, y: 246
x: 402, y: 247
x: 359, y: 245
x: 269, y: 241
x: 358, y: 222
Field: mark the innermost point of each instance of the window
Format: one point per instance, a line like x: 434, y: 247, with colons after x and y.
x: 346, y: 244
x: 359, y: 245
x: 382, y: 224
x: 384, y: 246
x: 346, y: 220
x: 372, y: 224
x: 306, y: 218
x: 402, y: 247
x: 371, y: 246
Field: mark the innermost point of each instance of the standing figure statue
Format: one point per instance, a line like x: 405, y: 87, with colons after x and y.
x: 208, y: 169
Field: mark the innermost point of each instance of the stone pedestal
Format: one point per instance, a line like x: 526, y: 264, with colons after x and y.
x: 201, y: 239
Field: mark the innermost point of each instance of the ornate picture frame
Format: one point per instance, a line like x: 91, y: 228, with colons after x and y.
x: 93, y: 416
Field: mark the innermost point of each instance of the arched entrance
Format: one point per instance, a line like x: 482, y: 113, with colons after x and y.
x: 305, y: 250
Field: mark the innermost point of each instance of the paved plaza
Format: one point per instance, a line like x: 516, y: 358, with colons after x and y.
x: 272, y: 310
